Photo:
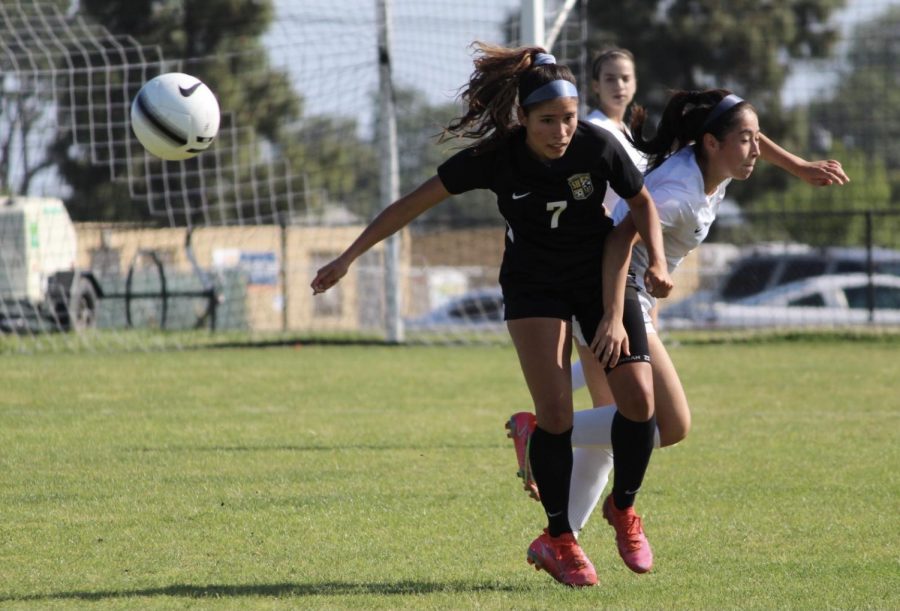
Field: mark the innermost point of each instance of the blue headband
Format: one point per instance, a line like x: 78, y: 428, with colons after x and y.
x: 559, y: 88
x: 724, y: 105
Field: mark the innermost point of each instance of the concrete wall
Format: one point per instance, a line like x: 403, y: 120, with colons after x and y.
x: 279, y: 267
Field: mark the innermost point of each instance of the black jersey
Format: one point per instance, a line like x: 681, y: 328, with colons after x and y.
x: 554, y: 212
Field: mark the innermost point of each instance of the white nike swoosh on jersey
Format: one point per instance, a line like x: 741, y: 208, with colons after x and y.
x: 521, y: 195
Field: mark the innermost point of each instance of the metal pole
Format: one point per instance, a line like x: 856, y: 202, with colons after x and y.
x: 390, y: 176
x: 532, y: 17
x: 559, y: 22
x: 584, y: 58
x: 283, y: 234
x: 870, y: 268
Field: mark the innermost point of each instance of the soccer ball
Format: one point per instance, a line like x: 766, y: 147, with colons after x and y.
x: 175, y: 116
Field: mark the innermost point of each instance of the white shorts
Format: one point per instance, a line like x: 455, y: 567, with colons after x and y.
x: 647, y: 304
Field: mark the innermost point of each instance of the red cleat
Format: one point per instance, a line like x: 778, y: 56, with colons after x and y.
x: 519, y: 428
x: 563, y: 558
x: 630, y: 539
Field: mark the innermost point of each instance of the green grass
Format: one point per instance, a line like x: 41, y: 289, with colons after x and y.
x: 380, y: 477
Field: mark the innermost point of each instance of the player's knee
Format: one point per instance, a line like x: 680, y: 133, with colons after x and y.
x: 554, y: 421
x: 674, y: 432
x: 634, y: 396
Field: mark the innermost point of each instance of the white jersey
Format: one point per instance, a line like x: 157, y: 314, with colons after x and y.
x: 685, y: 212
x: 597, y: 117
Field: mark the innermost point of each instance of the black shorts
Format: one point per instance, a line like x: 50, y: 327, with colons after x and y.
x: 584, y: 306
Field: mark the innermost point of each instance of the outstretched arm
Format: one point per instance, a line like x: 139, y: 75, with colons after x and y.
x: 391, y: 219
x: 816, y: 173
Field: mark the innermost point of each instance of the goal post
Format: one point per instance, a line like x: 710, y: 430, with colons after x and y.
x: 532, y: 22
x: 389, y: 183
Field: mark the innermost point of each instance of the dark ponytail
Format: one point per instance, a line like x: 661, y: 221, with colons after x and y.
x: 683, y: 122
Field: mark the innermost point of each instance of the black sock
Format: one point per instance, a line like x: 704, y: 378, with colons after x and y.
x: 632, y: 444
x: 551, y: 466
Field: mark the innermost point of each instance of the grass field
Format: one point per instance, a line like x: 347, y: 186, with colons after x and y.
x: 379, y: 477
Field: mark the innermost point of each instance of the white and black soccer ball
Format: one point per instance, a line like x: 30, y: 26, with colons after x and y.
x: 175, y: 116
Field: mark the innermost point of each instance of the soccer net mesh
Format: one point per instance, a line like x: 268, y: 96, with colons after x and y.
x: 222, y: 247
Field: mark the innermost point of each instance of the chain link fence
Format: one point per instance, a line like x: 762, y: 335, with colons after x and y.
x: 234, y: 239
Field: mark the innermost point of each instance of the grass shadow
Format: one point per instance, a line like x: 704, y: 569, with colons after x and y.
x: 276, y: 590
x: 321, y: 448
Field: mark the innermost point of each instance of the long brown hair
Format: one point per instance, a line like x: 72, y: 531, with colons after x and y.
x: 607, y: 55
x: 597, y: 67
x: 684, y: 122
x: 501, y: 76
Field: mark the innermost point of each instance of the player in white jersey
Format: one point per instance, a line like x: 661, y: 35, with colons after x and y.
x: 613, y: 84
x: 719, y: 139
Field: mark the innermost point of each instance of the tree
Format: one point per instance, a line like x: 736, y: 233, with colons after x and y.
x: 856, y: 124
x: 742, y: 45
x: 220, y: 41
x: 334, y: 164
x: 23, y: 112
x: 862, y: 112
x: 25, y: 99
x: 833, y: 216
x: 418, y: 126
x: 692, y: 44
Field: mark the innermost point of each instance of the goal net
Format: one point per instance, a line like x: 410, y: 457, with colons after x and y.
x: 106, y: 246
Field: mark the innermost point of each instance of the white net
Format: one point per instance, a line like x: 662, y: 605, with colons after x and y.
x: 229, y: 240
x: 222, y: 247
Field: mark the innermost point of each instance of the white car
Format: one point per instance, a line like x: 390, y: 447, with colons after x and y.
x: 475, y: 310
x: 823, y: 301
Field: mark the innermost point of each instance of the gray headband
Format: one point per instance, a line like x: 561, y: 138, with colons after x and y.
x: 724, y: 105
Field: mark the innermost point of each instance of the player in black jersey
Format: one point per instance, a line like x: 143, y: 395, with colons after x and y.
x: 550, y: 172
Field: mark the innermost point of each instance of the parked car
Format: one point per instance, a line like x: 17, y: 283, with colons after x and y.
x: 765, y: 269
x: 829, y: 300
x: 478, y: 309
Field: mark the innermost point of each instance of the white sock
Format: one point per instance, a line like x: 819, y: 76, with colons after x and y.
x: 592, y: 428
x: 592, y: 461
x: 578, y: 380
x: 590, y: 472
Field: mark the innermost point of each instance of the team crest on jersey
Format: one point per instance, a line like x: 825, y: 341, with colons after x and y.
x: 581, y: 185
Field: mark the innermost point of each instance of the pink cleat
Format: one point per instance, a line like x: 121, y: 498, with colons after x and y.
x: 519, y: 428
x: 630, y: 539
x: 563, y: 558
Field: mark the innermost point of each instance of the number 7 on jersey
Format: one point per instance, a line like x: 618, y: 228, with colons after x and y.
x: 556, y: 208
